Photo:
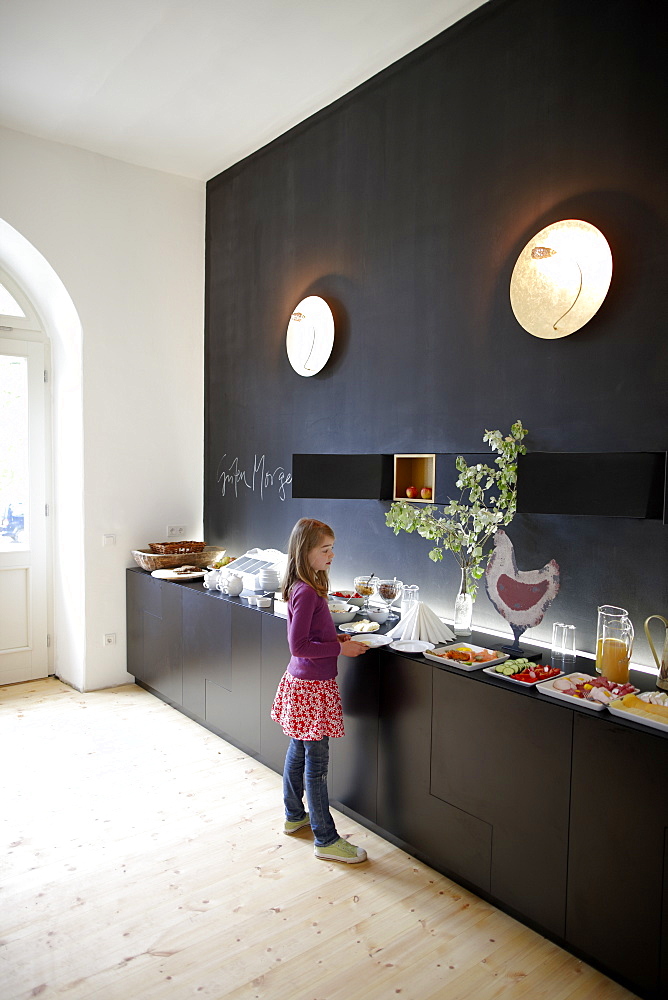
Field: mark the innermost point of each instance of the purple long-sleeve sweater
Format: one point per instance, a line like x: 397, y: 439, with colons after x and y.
x: 311, y: 635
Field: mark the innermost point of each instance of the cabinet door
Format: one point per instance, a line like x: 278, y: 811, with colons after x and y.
x: 134, y: 594
x: 154, y: 634
x: 663, y: 986
x: 354, y: 759
x: 447, y: 837
x: 275, y: 658
x: 619, y: 818
x: 504, y: 756
x: 207, y: 643
x: 233, y: 683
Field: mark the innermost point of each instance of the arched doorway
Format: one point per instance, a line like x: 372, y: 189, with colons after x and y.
x: 42, y: 288
x: 25, y: 577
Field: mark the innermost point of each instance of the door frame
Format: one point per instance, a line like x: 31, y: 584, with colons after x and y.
x: 24, y: 337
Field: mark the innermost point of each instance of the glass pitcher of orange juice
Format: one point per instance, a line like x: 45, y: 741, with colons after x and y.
x: 614, y: 642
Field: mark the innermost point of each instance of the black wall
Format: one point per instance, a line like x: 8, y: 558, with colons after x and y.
x: 405, y: 205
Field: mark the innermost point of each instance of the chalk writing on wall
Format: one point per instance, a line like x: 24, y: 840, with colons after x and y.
x: 235, y: 479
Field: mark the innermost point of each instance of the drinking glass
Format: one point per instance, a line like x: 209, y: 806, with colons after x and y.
x: 364, y: 587
x: 388, y: 591
x: 563, y: 646
x: 409, y: 598
x: 563, y: 639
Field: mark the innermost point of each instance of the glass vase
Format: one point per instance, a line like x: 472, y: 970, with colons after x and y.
x: 463, y: 606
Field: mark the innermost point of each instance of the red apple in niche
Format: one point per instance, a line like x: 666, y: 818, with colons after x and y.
x: 412, y: 492
x: 425, y: 492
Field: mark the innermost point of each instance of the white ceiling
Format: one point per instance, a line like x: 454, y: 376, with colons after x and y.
x: 192, y: 86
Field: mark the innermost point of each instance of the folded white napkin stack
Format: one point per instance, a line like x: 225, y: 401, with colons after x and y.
x: 422, y: 623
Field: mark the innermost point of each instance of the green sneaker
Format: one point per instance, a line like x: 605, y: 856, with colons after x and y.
x: 291, y: 826
x: 341, y: 850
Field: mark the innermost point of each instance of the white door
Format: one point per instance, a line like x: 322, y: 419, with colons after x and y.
x: 23, y: 533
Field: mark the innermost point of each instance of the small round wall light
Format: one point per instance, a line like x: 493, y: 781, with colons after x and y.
x: 310, y: 336
x: 560, y: 279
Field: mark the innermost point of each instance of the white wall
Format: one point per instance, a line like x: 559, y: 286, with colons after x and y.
x: 128, y: 245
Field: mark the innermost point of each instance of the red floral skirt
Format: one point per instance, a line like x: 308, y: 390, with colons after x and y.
x: 308, y: 710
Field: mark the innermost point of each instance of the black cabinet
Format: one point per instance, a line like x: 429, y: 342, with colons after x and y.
x: 353, y: 759
x: 342, y: 477
x: 617, y: 892
x: 557, y: 814
x: 154, y: 628
x: 614, y: 484
x: 275, y: 657
x: 233, y: 685
x: 505, y: 759
x: 199, y: 651
x: 663, y: 961
x: 206, y: 649
x: 453, y: 840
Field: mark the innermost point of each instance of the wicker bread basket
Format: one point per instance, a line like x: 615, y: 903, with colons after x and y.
x: 172, y: 548
x: 148, y: 560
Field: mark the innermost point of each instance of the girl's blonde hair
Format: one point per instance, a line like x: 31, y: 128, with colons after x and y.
x: 306, y: 534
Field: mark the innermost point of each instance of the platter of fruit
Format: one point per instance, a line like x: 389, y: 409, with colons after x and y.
x: 523, y: 671
x: 465, y: 656
x: 595, y: 693
x: 221, y: 563
x: 649, y: 708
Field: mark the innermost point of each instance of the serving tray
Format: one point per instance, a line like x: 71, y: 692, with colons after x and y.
x: 617, y: 708
x: 546, y: 687
x: 527, y: 684
x: 433, y: 655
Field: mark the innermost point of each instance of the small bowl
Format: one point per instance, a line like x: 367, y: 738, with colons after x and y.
x: 343, y: 615
x: 379, y: 615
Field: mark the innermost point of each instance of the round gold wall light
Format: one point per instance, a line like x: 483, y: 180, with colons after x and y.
x: 560, y: 279
x: 310, y: 336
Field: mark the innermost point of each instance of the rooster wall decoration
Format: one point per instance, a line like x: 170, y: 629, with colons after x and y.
x: 521, y: 597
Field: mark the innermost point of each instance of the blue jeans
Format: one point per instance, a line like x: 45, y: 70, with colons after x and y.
x: 306, y: 763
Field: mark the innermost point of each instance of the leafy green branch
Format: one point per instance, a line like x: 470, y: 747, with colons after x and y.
x: 488, y: 500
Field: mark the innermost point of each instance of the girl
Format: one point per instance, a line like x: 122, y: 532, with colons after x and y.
x: 307, y: 705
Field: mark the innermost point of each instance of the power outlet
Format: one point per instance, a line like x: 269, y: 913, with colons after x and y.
x: 176, y: 531
x: 110, y: 639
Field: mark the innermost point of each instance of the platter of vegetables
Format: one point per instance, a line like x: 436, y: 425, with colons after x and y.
x: 595, y: 693
x: 522, y: 671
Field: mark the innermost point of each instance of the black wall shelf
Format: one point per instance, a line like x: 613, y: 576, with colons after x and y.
x: 342, y: 477
x: 607, y: 484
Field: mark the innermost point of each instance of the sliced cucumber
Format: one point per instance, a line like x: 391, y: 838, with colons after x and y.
x: 510, y: 667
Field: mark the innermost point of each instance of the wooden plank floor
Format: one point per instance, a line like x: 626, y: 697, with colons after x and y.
x: 142, y: 857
